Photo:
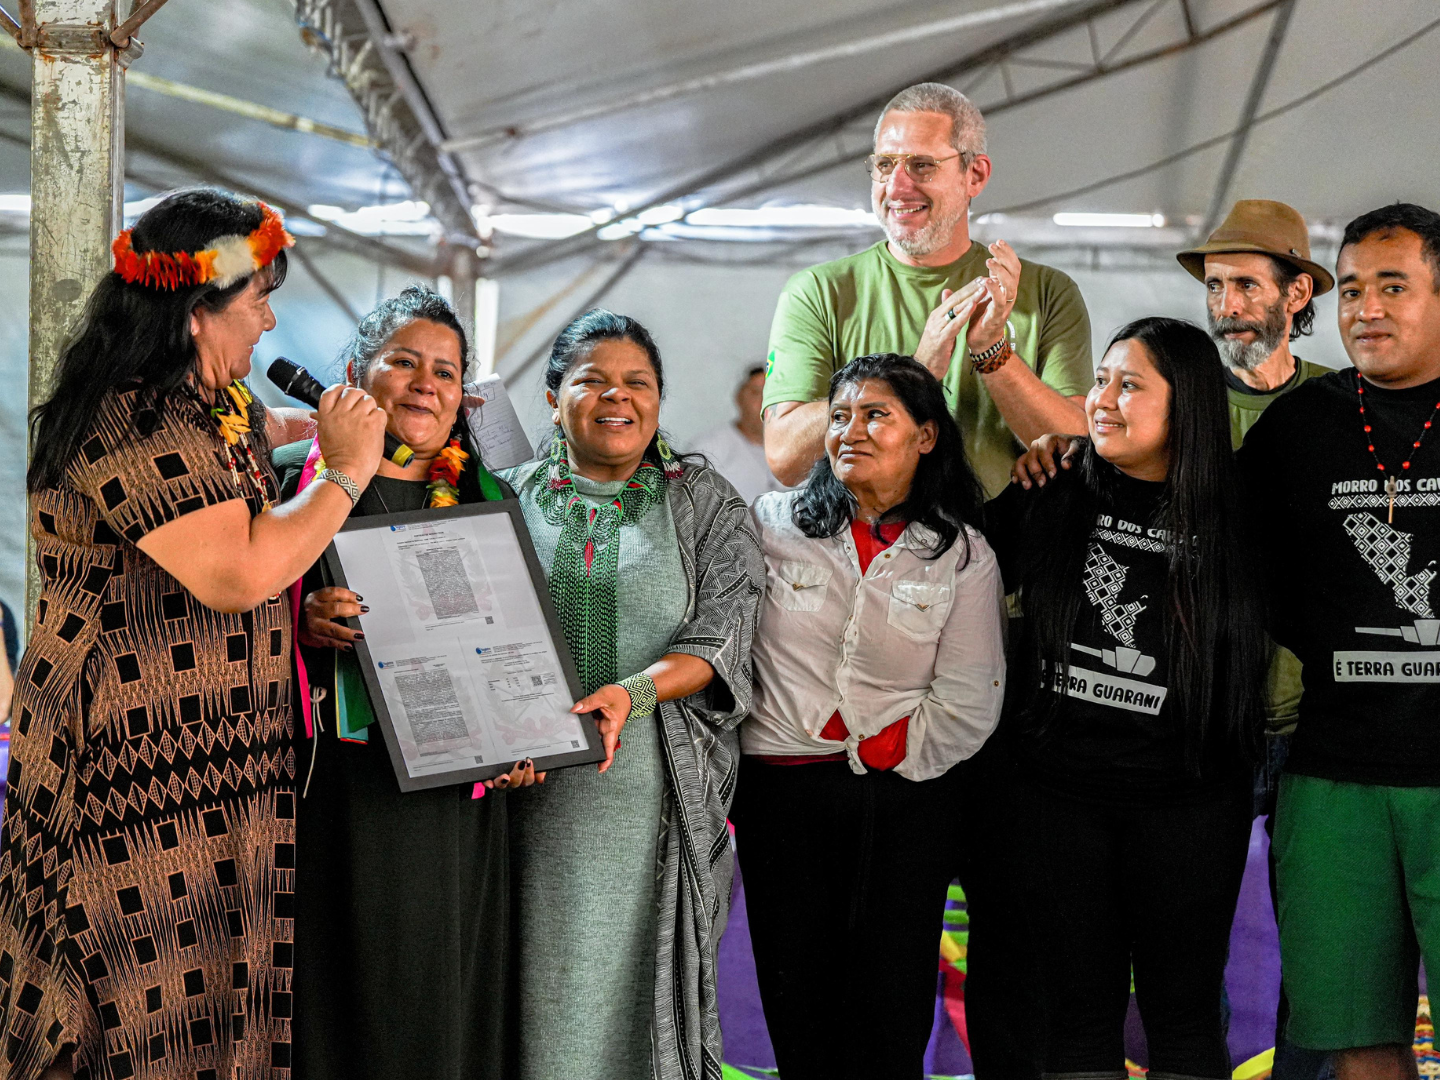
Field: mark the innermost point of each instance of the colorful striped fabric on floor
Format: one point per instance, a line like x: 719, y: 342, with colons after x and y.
x: 1427, y: 1061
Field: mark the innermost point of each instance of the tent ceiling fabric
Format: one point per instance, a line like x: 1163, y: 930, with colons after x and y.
x: 513, y: 62
x: 250, y: 49
x: 510, y: 63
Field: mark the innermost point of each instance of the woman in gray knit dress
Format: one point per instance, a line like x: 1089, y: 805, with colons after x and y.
x: 622, y: 874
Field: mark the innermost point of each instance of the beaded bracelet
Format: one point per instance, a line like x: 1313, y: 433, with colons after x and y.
x: 643, y: 695
x: 993, y: 358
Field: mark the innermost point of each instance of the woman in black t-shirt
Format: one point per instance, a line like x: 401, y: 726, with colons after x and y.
x: 1134, y: 703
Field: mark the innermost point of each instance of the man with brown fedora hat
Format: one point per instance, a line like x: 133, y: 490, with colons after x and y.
x: 1260, y: 287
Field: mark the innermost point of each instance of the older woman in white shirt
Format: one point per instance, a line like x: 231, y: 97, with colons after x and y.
x: 879, y: 666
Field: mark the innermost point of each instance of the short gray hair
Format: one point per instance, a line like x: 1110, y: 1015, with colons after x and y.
x: 967, y: 126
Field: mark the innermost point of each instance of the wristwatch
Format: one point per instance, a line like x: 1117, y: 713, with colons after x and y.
x: 344, y: 482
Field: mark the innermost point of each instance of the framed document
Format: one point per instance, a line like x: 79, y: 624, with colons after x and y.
x: 463, y: 655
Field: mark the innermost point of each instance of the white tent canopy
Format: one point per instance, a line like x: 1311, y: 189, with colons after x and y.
x: 605, y: 107
x: 599, y: 106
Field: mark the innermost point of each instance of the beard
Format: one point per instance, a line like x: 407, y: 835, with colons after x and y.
x: 1247, y: 356
x: 926, y: 241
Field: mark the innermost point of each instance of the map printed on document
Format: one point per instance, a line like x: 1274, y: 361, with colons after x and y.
x: 463, y: 655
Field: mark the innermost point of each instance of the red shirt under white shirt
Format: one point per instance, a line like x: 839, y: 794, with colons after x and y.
x: 870, y: 651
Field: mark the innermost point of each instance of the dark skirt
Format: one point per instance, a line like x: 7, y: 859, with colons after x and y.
x: 402, y: 928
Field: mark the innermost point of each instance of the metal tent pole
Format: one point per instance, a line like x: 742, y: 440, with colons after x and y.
x: 464, y: 271
x: 77, y: 156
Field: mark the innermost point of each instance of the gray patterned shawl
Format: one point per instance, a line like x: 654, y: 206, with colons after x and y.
x: 726, y: 575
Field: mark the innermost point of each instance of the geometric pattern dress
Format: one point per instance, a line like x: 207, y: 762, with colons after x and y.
x: 147, y: 851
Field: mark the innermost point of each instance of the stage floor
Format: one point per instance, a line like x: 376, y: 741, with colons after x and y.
x: 1252, y: 980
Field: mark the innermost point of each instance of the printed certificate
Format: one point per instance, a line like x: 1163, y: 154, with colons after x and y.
x: 463, y: 655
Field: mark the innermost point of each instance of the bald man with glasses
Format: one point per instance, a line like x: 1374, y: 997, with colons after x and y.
x: 1008, y: 339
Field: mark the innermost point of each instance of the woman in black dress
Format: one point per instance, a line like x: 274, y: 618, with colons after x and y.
x: 403, y: 899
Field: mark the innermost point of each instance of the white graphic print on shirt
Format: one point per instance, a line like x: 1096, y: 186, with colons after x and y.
x: 1386, y: 550
x: 1104, y: 587
x: 1104, y: 582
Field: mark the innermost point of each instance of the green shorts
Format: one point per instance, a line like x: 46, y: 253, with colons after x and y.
x: 1358, y: 875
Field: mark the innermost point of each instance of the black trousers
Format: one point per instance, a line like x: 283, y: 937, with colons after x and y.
x: 1153, y: 886
x: 1004, y: 1009
x: 845, y: 882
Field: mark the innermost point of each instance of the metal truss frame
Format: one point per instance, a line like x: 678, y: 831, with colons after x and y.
x: 356, y: 39
x: 29, y: 33
x: 337, y: 237
x: 1011, y: 64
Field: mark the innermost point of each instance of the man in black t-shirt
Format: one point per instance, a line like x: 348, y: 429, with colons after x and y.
x: 1343, y: 475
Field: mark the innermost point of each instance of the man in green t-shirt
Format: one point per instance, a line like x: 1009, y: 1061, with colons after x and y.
x: 1009, y: 339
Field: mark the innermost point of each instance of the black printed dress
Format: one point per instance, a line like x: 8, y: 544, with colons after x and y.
x: 403, y: 922
x: 147, y: 852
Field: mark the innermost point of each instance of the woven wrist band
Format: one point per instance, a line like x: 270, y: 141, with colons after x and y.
x: 643, y: 696
x: 343, y: 482
x: 993, y: 358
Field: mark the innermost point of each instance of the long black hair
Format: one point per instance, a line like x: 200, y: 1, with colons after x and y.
x: 944, y: 497
x: 137, y: 337
x: 588, y: 330
x: 1218, y: 651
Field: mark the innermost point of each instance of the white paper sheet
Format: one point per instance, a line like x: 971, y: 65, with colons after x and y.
x: 495, y: 426
x: 460, y: 645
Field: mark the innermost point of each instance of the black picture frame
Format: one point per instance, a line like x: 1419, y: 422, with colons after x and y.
x: 593, y: 751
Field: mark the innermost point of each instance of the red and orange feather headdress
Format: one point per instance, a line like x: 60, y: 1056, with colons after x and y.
x: 224, y: 261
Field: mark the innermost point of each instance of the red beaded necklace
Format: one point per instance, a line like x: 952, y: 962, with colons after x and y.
x: 1390, y: 483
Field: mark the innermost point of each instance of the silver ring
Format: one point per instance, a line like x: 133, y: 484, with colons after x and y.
x: 950, y: 314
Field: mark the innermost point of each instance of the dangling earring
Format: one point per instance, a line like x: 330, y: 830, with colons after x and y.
x: 559, y: 464
x: 668, y: 461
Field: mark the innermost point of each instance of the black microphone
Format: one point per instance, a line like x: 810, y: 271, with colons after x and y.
x: 292, y: 379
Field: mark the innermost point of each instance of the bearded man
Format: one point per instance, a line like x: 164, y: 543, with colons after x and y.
x: 1009, y: 339
x: 1260, y: 285
x: 1260, y: 289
